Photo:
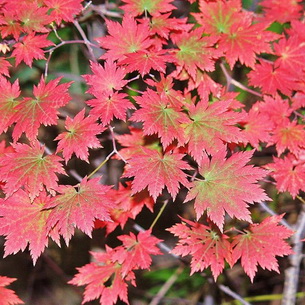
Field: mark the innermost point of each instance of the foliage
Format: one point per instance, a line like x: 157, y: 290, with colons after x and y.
x: 183, y: 135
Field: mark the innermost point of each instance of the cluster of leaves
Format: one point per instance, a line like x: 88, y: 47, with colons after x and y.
x: 186, y: 131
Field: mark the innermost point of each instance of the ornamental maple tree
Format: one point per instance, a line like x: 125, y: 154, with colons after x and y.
x: 111, y: 109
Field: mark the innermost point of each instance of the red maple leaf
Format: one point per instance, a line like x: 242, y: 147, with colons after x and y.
x: 43, y: 109
x: 144, y: 61
x: 30, y: 48
x: 257, y: 127
x: 288, y: 173
x: 195, y: 51
x: 126, y: 206
x: 18, y: 212
x: 107, y: 107
x: 153, y: 170
x: 8, y: 102
x: 136, y: 251
x: 229, y: 185
x: 8, y: 296
x: 260, y: 244
x: 80, y: 136
x: 78, y: 207
x: 103, y: 279
x: 63, y: 9
x: 28, y: 167
x: 288, y: 135
x: 270, y: 78
x: 124, y: 39
x: 275, y: 108
x: 135, y: 7
x: 207, y: 246
x: 32, y: 17
x: 281, y: 11
x: 211, y: 125
x: 291, y: 53
x: 4, y: 66
x: 105, y: 79
x: 159, y: 115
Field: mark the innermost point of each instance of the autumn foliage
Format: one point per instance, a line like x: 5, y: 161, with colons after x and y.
x: 160, y: 88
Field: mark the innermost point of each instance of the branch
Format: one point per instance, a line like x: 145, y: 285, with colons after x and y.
x: 293, y: 272
x: 233, y: 294
x: 232, y: 81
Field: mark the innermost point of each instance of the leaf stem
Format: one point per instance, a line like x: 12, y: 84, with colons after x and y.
x: 159, y: 214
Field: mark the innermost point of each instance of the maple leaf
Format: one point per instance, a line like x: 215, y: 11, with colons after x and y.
x: 257, y: 127
x: 79, y: 207
x: 204, y: 85
x: 105, y: 79
x: 281, y: 11
x: 124, y: 39
x: 291, y: 53
x: 9, y: 24
x: 289, y: 175
x: 43, y: 109
x: 28, y: 167
x: 229, y: 185
x: 136, y: 251
x: 63, y: 10
x: 162, y: 25
x: 245, y: 40
x: 97, y: 275
x: 288, y: 135
x: 275, y: 108
x: 31, y: 48
x: 210, y: 126
x: 270, y: 78
x: 160, y: 116
x: 153, y: 170
x: 8, y: 296
x: 207, y: 246
x: 18, y: 212
x: 195, y: 51
x: 107, y: 107
x: 137, y: 7
x: 132, y: 142
x: 32, y: 17
x: 126, y: 206
x: 4, y: 66
x: 8, y: 102
x: 260, y: 244
x: 81, y: 135
x: 144, y: 61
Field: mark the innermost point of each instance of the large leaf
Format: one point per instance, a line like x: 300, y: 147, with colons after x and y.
x: 79, y: 207
x: 153, y: 170
x: 227, y: 185
x: 28, y: 167
x: 260, y: 244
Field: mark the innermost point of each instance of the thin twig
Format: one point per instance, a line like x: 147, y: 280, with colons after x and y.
x: 86, y: 40
x: 293, y: 272
x: 264, y: 206
x: 237, y: 84
x: 167, y: 285
x: 103, y: 11
x: 233, y: 294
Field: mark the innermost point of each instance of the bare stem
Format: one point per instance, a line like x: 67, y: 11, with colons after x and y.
x: 233, y: 294
x: 159, y: 214
x: 293, y: 272
x: 167, y: 285
x: 237, y: 84
x: 86, y: 41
